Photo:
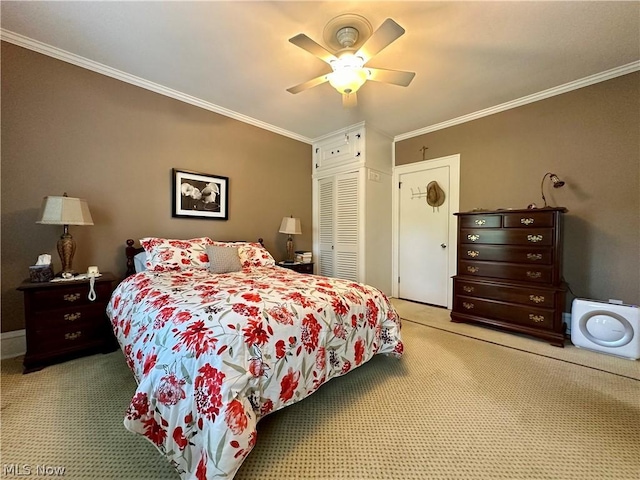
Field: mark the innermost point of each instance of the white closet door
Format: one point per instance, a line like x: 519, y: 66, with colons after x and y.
x: 347, y: 226
x: 326, y: 219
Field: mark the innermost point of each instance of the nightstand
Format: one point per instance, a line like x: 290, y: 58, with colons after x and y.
x: 61, y: 322
x: 298, y: 267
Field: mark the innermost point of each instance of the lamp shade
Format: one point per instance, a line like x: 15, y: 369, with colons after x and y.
x: 290, y: 226
x: 64, y: 211
x: 348, y: 75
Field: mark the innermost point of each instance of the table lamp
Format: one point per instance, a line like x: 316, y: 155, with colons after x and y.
x: 290, y: 226
x: 65, y: 211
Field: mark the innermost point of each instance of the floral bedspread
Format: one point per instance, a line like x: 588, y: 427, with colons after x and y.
x: 212, y: 354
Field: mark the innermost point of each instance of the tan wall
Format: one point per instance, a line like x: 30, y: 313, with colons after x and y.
x: 67, y: 129
x: 591, y: 139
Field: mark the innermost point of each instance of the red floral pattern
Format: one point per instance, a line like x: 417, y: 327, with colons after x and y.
x: 165, y: 254
x: 213, y: 354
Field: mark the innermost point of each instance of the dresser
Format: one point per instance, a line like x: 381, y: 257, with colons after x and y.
x: 61, y: 322
x: 510, y: 272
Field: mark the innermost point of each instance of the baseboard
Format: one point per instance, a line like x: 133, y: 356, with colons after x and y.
x: 13, y: 344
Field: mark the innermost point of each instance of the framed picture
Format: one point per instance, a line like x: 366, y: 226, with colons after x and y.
x: 200, y: 195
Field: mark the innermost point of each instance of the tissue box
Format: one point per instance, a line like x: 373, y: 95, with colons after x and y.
x: 40, y: 273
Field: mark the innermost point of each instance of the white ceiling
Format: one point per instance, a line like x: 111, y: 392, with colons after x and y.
x: 234, y: 57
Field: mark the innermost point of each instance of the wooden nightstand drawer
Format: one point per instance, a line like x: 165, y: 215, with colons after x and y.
x: 72, y: 337
x: 70, y: 296
x: 63, y: 317
x: 298, y: 267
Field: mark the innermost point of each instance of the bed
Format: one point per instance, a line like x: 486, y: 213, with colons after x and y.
x: 215, y: 347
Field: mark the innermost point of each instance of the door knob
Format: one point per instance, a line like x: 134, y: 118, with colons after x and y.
x: 443, y: 245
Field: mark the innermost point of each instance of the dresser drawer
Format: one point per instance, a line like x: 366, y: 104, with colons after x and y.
x: 507, y: 271
x: 529, y: 236
x: 73, y: 315
x: 72, y: 337
x: 531, y: 220
x: 69, y: 296
x: 513, y: 254
x: 507, y: 312
x: 528, y: 295
x: 481, y: 221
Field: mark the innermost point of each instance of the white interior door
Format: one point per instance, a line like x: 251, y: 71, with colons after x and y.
x: 423, y: 237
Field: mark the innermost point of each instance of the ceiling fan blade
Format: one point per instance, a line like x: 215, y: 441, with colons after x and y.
x: 387, y: 33
x: 395, y: 77
x: 308, y: 84
x: 304, y: 42
x: 349, y: 100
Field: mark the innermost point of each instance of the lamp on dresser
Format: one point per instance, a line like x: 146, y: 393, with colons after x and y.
x: 555, y: 181
x: 290, y: 226
x: 64, y: 210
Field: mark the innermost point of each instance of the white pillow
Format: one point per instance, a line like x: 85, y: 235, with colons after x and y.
x: 139, y: 262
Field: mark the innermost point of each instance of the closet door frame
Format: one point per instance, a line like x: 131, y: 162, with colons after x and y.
x: 453, y: 162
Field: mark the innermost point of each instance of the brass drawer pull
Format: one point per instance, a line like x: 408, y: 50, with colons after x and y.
x: 467, y: 305
x: 472, y: 253
x: 534, y: 238
x: 536, y: 318
x: 534, y: 256
x: 536, y: 298
x: 72, y: 317
x: 468, y: 289
x: 473, y: 237
x: 73, y: 335
x: 471, y: 269
x: 71, y: 297
x: 480, y: 222
x: 526, y: 221
x: 534, y: 274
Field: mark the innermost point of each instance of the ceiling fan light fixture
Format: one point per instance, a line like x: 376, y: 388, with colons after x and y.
x: 348, y: 80
x: 348, y: 73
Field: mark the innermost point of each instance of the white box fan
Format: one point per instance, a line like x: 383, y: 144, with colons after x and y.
x: 606, y: 327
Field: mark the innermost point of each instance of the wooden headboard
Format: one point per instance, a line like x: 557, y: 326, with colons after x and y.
x: 132, y: 251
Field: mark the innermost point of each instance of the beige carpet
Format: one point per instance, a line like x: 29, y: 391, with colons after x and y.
x: 440, y: 318
x: 452, y: 408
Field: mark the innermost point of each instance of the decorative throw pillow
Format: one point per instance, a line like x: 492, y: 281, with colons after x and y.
x: 165, y: 254
x: 223, y: 259
x: 252, y: 254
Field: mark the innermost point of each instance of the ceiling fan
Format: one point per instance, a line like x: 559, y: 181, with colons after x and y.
x: 355, y: 45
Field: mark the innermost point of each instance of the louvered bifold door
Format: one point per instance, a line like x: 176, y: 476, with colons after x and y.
x: 326, y: 220
x: 346, y: 226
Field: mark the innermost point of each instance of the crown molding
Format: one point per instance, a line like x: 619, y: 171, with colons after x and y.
x: 45, y: 49
x: 551, y: 92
